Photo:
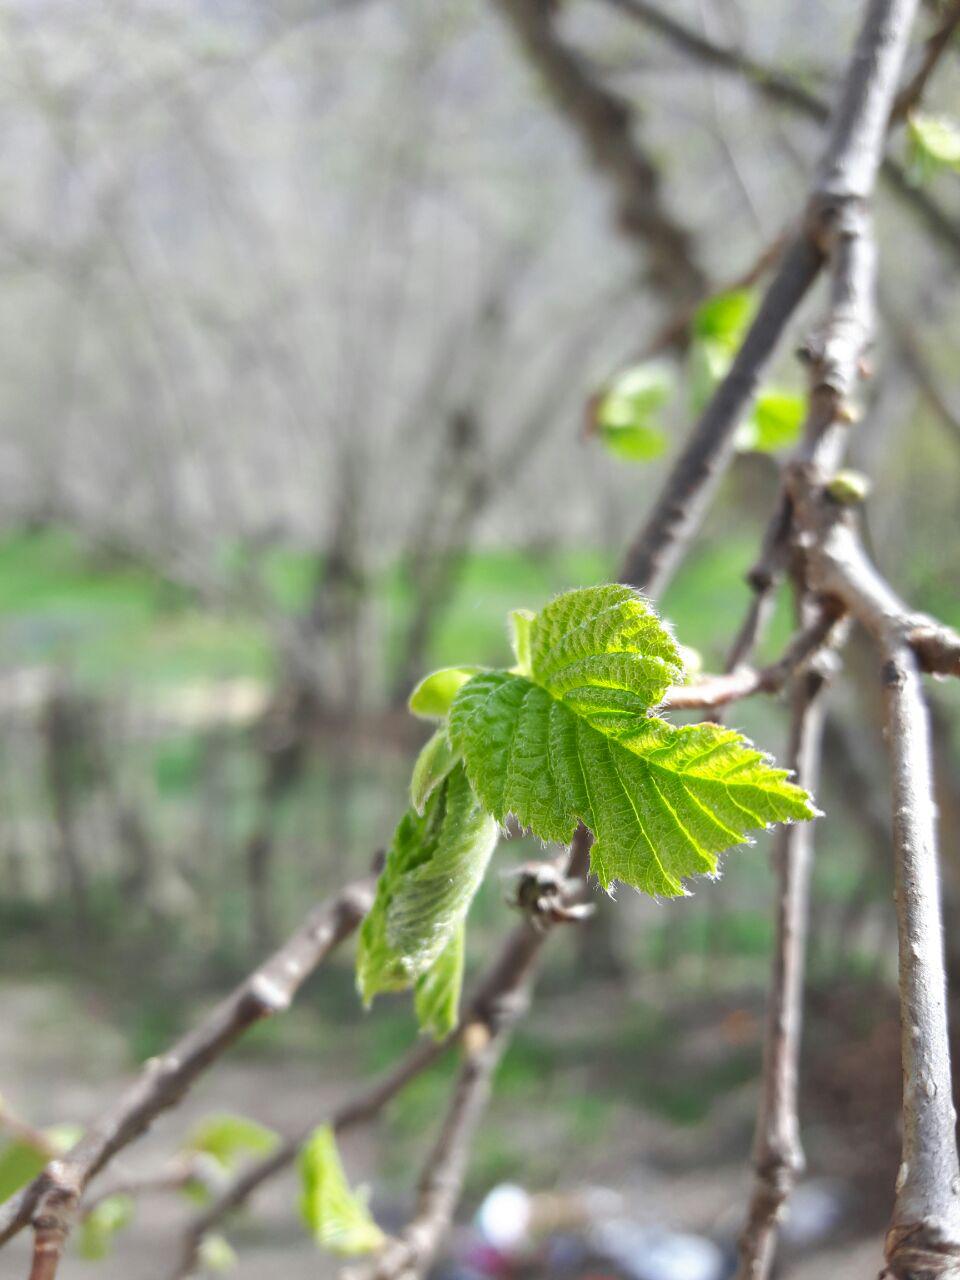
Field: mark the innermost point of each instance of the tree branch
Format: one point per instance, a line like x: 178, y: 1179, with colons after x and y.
x: 924, y: 1236
x: 51, y: 1201
x: 717, y: 691
x: 783, y: 90
x: 833, y: 224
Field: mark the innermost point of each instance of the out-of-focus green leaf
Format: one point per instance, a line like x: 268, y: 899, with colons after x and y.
x: 216, y: 1255
x: 520, y: 620
x: 625, y: 415
x: 336, y: 1216
x: 102, y: 1223
x: 431, y: 698
x: 719, y: 327
x: 775, y: 422
x: 20, y: 1162
x: 226, y: 1137
x: 933, y: 144
x: 635, y: 443
x: 723, y: 319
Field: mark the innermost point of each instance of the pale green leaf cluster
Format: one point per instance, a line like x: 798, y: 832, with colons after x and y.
x: 627, y: 414
x: 335, y: 1215
x: 568, y: 735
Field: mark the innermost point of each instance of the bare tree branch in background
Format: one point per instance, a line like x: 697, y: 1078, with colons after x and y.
x: 604, y: 122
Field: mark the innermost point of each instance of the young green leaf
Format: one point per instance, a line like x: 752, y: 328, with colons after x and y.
x: 102, y: 1223
x: 626, y: 414
x: 775, y: 422
x: 336, y: 1216
x: 933, y: 145
x: 20, y: 1162
x: 434, y: 867
x: 719, y: 327
x: 575, y: 742
x: 227, y: 1137
x: 433, y: 764
x: 436, y: 997
x: 431, y: 698
x: 216, y: 1254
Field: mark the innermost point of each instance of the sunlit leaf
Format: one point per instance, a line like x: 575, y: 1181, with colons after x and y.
x: 336, y: 1216
x: 216, y: 1255
x: 575, y: 741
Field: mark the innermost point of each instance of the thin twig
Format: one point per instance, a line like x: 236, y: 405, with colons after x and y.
x: 778, y: 1153
x: 51, y: 1201
x: 712, y: 692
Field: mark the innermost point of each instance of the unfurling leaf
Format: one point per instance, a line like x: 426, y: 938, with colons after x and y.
x: 433, y: 764
x: 431, y: 698
x: 102, y: 1223
x: 226, y: 1137
x: 575, y: 741
x: 775, y: 422
x: 626, y: 413
x: 337, y: 1217
x: 433, y: 869
x: 933, y: 145
x: 437, y: 995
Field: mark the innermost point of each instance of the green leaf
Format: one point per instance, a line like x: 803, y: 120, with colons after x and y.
x: 434, y: 867
x: 20, y: 1162
x: 226, y: 1137
x: 575, y: 742
x: 724, y: 319
x: 433, y: 764
x: 336, y: 1217
x: 437, y: 994
x: 719, y: 327
x: 637, y: 443
x: 431, y: 698
x: 102, y: 1223
x: 216, y: 1254
x: 775, y: 423
x: 933, y: 144
x: 625, y: 415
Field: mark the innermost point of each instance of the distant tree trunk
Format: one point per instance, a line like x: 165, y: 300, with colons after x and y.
x: 62, y: 728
